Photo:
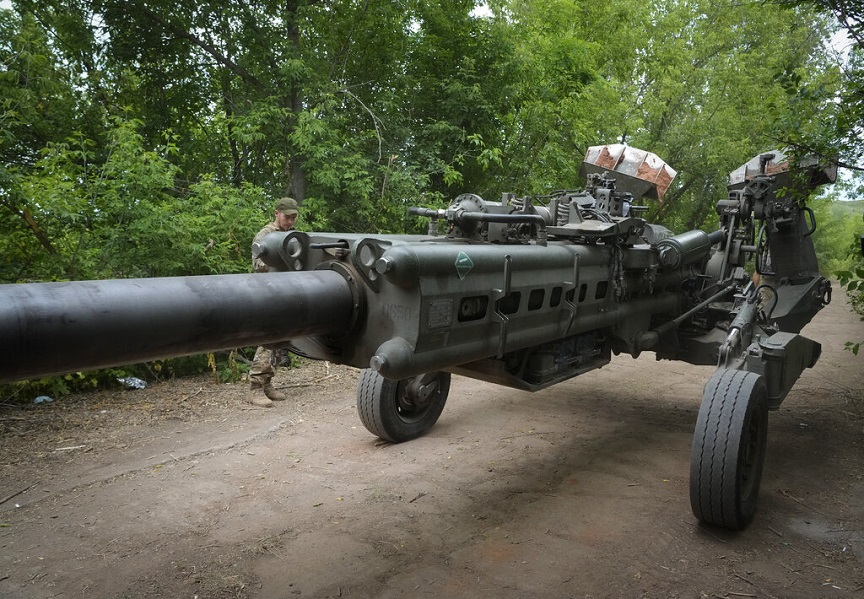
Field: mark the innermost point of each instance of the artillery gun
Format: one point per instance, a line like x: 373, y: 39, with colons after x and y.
x: 523, y: 292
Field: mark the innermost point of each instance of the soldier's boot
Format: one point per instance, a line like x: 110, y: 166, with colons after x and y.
x: 271, y: 392
x: 257, y: 397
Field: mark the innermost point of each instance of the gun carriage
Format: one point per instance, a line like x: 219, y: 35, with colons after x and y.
x: 524, y: 292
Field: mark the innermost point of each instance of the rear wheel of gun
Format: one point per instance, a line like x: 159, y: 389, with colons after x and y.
x: 401, y: 410
x: 728, y: 451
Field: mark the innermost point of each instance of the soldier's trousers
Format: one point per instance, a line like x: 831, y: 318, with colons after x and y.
x: 263, y: 367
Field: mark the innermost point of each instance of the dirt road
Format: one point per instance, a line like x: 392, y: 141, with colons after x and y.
x: 181, y: 490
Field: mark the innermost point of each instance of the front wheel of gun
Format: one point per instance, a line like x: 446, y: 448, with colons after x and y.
x: 728, y: 450
x: 401, y: 410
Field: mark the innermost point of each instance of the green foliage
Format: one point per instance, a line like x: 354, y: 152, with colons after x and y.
x: 835, y: 234
x: 362, y: 108
x: 707, y: 101
x: 224, y: 367
x: 121, y: 214
x: 853, y: 283
x: 846, y: 262
x: 148, y: 139
x: 837, y: 132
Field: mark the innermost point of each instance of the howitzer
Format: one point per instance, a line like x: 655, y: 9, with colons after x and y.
x: 524, y: 292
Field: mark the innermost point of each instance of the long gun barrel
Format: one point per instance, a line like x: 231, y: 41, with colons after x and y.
x: 53, y: 328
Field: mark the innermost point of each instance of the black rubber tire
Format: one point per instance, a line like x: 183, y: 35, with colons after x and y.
x: 728, y: 452
x: 391, y: 411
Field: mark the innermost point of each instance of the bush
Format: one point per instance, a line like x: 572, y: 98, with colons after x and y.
x: 226, y: 367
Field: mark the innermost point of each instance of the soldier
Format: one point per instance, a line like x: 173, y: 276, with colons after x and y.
x: 262, y: 393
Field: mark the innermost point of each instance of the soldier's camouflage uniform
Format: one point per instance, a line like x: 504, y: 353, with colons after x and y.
x: 263, y: 364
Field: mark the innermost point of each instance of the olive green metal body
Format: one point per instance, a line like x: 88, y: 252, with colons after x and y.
x: 544, y: 313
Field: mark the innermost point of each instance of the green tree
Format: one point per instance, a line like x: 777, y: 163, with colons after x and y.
x: 362, y: 109
x: 38, y: 106
x: 840, y: 137
x: 123, y: 217
x: 571, y: 62
x: 710, y: 91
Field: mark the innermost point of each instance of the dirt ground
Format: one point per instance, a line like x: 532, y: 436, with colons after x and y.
x: 581, y: 490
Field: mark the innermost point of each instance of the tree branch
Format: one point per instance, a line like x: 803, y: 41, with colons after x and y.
x: 40, y: 234
x: 375, y: 119
x: 208, y: 48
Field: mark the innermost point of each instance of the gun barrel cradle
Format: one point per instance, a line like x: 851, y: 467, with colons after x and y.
x: 53, y: 328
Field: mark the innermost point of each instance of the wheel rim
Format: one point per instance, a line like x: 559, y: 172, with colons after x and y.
x: 415, y: 396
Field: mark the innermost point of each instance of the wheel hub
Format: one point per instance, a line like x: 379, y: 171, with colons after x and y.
x: 417, y: 392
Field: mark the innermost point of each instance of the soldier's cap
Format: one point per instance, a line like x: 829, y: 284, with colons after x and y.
x: 287, y: 206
